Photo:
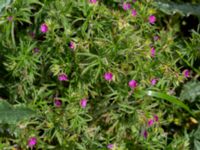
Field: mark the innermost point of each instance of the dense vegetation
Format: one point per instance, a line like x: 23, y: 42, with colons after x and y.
x: 99, y: 74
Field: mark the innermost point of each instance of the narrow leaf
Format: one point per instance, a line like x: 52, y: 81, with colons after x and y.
x: 169, y: 98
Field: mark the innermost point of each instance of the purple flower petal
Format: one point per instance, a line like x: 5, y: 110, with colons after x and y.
x: 150, y: 122
x: 93, y: 1
x: 10, y: 18
x: 186, y: 73
x: 108, y: 76
x: 156, y: 38
x: 134, y: 13
x: 153, y: 51
x: 155, y: 117
x: 36, y: 50
x: 43, y: 28
x: 132, y: 84
x: 153, y: 81
x: 57, y: 103
x: 152, y: 19
x: 63, y: 77
x: 83, y: 103
x: 145, y: 134
x: 110, y: 146
x: 32, y: 142
x: 126, y: 6
x: 72, y: 45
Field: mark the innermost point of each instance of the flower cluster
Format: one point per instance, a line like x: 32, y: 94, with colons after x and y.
x: 150, y: 123
x: 127, y: 6
x: 91, y: 69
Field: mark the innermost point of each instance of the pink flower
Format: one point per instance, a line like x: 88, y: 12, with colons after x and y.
x: 110, y: 146
x: 93, y: 1
x: 155, y: 117
x: 36, y: 50
x: 186, y: 73
x: 126, y: 6
x: 145, y: 134
x: 43, y: 28
x: 10, y: 18
x: 156, y: 38
x: 63, y: 77
x: 72, y: 45
x: 57, y: 103
x: 150, y: 122
x: 152, y: 19
x: 83, y: 103
x: 32, y: 142
x: 153, y: 51
x: 153, y: 81
x: 132, y: 84
x: 134, y: 12
x: 108, y: 76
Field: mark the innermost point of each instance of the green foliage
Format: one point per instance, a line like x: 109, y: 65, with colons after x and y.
x: 4, y: 3
x: 106, y: 39
x: 171, y: 99
x: 195, y: 139
x: 184, y: 9
x: 12, y: 114
x: 191, y: 91
x: 189, y: 50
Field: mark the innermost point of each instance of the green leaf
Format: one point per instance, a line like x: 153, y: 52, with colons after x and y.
x: 4, y: 3
x: 197, y: 134
x: 1, y: 85
x: 12, y: 114
x: 126, y: 108
x: 196, y: 145
x: 90, y: 66
x: 191, y: 91
x: 169, y: 98
x: 184, y: 9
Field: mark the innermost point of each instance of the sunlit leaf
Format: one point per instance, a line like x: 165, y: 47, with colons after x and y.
x: 169, y: 98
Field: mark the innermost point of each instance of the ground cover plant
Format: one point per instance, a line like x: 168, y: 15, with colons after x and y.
x: 96, y: 75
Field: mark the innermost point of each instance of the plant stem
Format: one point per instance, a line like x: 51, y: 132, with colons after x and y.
x: 13, y: 34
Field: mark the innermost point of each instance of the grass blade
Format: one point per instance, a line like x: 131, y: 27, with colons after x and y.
x: 171, y: 99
